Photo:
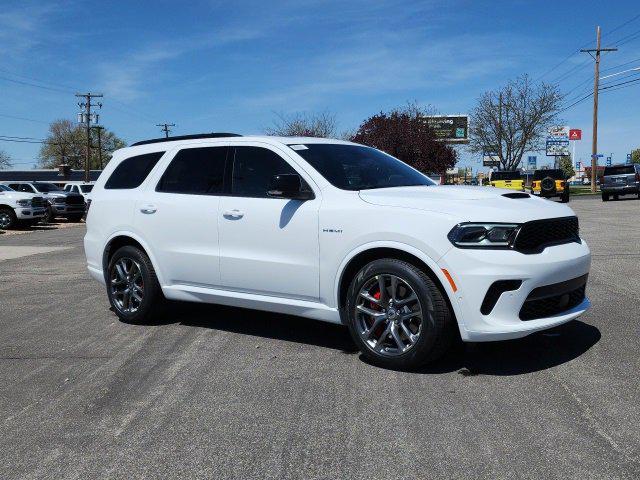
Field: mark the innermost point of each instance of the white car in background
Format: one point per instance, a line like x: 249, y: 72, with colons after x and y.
x: 81, y: 188
x: 20, y: 208
x: 334, y: 231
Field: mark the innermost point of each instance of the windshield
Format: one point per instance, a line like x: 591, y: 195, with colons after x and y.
x: 4, y: 188
x: 46, y: 187
x: 86, y: 188
x: 619, y: 170
x: 355, y: 167
x: 505, y: 176
x: 555, y: 174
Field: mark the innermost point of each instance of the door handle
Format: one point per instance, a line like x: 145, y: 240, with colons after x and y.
x: 233, y: 214
x: 148, y: 209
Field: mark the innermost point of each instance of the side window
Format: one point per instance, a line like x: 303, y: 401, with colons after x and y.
x: 15, y: 186
x: 253, y: 168
x: 27, y: 188
x: 195, y: 171
x: 132, y: 171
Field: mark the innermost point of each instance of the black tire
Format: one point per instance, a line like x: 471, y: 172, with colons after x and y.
x: 75, y: 218
x: 564, y: 197
x: 153, y: 301
x: 437, y: 330
x: 605, y: 197
x: 48, y: 215
x: 8, y: 218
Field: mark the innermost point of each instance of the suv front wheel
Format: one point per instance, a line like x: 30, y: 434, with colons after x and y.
x: 132, y: 286
x: 397, y: 316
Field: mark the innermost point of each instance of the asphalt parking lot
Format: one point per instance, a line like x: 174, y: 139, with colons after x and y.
x: 230, y: 393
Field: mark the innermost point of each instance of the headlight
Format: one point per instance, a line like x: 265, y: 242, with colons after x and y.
x: 24, y: 203
x: 484, y: 235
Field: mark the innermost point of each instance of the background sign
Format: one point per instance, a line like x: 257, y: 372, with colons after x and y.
x: 558, y: 133
x: 450, y: 128
x: 575, y: 134
x: 557, y: 148
x: 578, y: 165
x: 608, y: 161
x: 532, y: 162
x: 628, y: 158
x: 490, y: 159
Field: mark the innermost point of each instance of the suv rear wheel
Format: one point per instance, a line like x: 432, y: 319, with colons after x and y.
x: 132, y: 286
x: 397, y: 315
x: 605, y: 197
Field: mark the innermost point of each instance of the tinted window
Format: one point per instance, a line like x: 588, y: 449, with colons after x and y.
x: 197, y: 171
x: 253, y: 168
x: 355, y: 167
x: 46, y: 187
x: 495, y: 176
x: 555, y: 174
x: 4, y: 188
x: 86, y: 188
x: 619, y: 170
x: 132, y: 171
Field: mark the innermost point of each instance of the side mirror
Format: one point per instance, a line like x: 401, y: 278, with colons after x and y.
x: 289, y: 185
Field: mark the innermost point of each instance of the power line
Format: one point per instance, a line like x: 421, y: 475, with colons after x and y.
x: 621, y: 26
x: 23, y: 118
x: 621, y: 83
x: 628, y: 38
x: 20, y: 82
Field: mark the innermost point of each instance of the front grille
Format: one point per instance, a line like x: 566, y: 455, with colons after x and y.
x: 75, y: 200
x: 37, y: 202
x: 535, y: 236
x: 551, y: 300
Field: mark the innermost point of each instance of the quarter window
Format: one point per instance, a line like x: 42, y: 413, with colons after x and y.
x: 132, y: 171
x: 253, y: 169
x: 196, y: 171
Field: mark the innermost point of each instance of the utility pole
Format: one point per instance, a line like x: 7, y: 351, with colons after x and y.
x: 165, y: 128
x: 99, y: 129
x: 596, y: 86
x: 85, y: 117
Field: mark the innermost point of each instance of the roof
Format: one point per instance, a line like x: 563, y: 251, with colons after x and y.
x: 48, y: 175
x: 197, y: 136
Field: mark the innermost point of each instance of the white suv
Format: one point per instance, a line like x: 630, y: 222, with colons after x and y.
x: 334, y: 231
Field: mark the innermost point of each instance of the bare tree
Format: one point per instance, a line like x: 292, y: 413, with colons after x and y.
x: 304, y: 125
x: 5, y: 160
x: 514, y: 120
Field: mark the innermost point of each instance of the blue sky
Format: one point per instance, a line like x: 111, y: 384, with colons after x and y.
x: 231, y: 66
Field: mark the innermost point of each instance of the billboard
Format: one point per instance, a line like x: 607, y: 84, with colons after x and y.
x: 558, y: 141
x: 450, y: 128
x: 558, y: 148
x: 575, y: 134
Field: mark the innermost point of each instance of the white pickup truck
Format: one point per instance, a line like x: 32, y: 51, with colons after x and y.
x: 19, y: 207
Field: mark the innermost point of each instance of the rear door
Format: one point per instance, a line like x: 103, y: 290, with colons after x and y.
x: 178, y: 215
x: 268, y: 246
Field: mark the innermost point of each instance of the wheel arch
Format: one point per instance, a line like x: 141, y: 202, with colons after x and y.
x: 368, y: 253
x: 122, y: 239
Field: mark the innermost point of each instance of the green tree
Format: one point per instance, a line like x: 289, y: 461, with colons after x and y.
x: 66, y: 143
x: 5, y: 160
x: 566, y: 165
x: 635, y: 155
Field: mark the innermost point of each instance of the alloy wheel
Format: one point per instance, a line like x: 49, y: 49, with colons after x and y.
x: 127, y: 285
x: 5, y: 220
x: 389, y: 316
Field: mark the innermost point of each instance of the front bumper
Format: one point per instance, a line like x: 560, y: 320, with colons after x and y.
x: 474, y: 271
x: 63, y: 209
x: 29, y: 213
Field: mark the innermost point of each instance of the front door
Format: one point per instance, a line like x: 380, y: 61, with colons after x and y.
x: 179, y: 215
x: 268, y: 246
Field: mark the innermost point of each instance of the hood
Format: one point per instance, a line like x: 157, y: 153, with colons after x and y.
x: 17, y: 195
x: 468, y: 204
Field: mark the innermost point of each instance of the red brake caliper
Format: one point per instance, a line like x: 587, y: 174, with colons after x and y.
x: 381, y: 327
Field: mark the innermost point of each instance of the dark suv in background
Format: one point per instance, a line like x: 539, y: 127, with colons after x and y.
x: 620, y: 180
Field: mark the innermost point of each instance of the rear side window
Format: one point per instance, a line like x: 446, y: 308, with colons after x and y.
x: 132, y: 171
x: 619, y: 170
x: 195, y: 171
x: 253, y: 169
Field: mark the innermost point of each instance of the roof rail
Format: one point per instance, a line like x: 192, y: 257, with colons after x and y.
x: 185, y: 137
